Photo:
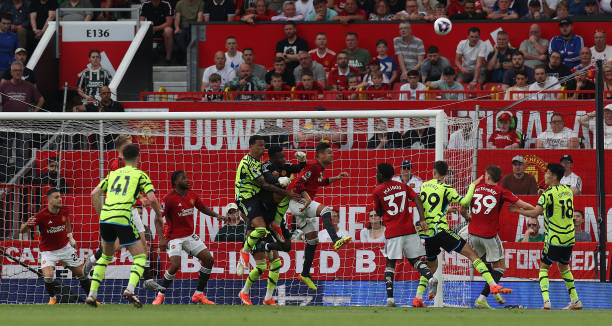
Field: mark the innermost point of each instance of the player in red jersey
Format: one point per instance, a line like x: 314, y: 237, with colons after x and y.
x: 390, y: 200
x: 120, y: 142
x: 178, y: 208
x: 56, y: 242
x: 306, y: 210
x: 489, y: 198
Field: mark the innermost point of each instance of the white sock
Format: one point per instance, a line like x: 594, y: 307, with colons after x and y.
x: 482, y: 298
x: 93, y: 259
x: 391, y: 300
x: 93, y: 294
x: 130, y: 288
x: 269, y: 293
x: 419, y: 296
x: 246, y: 289
x: 198, y: 292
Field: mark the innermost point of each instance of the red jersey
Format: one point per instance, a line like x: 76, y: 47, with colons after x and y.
x: 116, y: 163
x: 310, y: 179
x: 52, y: 227
x: 305, y: 95
x: 487, y: 203
x: 377, y: 94
x: 391, y: 199
x: 327, y: 60
x: 281, y: 95
x: 339, y: 79
x: 179, y: 211
x: 502, y: 139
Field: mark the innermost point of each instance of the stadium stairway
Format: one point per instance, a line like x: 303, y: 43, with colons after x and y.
x: 171, y: 78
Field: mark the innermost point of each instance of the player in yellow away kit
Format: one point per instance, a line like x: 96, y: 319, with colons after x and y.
x: 436, y: 197
x: 557, y: 205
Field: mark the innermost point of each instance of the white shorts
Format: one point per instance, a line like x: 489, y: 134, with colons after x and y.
x: 491, y: 248
x: 305, y: 220
x: 67, y: 255
x: 192, y: 245
x: 137, y: 222
x: 408, y: 246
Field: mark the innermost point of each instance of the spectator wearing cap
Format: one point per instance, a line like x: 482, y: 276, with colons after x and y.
x: 433, y: 66
x: 558, y: 136
x: 448, y: 83
x: 570, y: 178
x: 306, y: 64
x: 580, y: 235
x: 518, y: 65
x: 567, y: 43
x: 21, y: 55
x: 406, y: 176
x: 588, y: 121
x: 535, y: 11
x: 519, y: 182
x: 601, y: 50
x: 504, y: 136
x: 233, y: 230
x: 382, y: 137
x: 535, y: 47
x: 373, y: 65
x: 413, y: 85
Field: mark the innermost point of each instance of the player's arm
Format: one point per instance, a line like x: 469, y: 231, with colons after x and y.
x: 69, y: 232
x: 467, y: 199
x: 421, y: 210
x: 307, y: 200
x: 154, y: 203
x: 529, y: 211
x: 159, y: 229
x: 465, y: 212
x: 339, y: 177
x: 272, y: 188
x: 28, y: 225
x: 96, y: 199
x: 206, y: 210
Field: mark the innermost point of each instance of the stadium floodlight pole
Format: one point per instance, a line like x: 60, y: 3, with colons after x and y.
x: 601, y: 170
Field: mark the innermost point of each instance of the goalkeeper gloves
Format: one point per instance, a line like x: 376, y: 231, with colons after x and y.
x: 301, y: 156
x: 284, y: 181
x: 71, y: 240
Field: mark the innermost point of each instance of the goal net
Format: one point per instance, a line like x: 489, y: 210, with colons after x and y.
x: 75, y: 151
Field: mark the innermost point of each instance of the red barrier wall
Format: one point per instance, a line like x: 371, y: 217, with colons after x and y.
x: 263, y: 37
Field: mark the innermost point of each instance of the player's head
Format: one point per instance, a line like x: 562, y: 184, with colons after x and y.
x: 554, y: 174
x: 276, y: 155
x: 325, y: 154
x: 52, y: 165
x: 493, y: 174
x: 257, y: 145
x: 131, y: 153
x: 440, y: 169
x: 384, y: 172
x: 180, y: 180
x: 54, y: 198
x: 121, y: 141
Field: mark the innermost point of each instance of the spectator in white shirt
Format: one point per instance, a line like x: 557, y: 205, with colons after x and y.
x: 225, y: 71
x: 413, y: 85
x: 375, y: 231
x: 470, y: 58
x: 304, y: 7
x: 288, y: 13
x: 461, y: 139
x: 233, y: 57
x: 545, y: 83
x: 570, y: 178
x: 601, y: 50
x: 558, y: 136
x: 588, y: 121
x: 408, y: 178
x: 324, y: 236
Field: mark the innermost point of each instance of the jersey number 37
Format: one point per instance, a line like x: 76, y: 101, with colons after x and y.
x: 392, y: 202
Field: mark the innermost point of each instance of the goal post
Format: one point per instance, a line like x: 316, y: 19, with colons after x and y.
x: 208, y: 146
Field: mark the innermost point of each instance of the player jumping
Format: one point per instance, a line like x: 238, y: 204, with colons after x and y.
x: 305, y: 211
x: 557, y: 205
x: 248, y: 188
x: 436, y: 196
x: 122, y: 187
x: 56, y: 242
x: 489, y: 198
x: 390, y: 200
x: 178, y: 208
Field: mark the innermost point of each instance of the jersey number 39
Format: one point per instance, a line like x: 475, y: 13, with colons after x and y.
x: 488, y: 201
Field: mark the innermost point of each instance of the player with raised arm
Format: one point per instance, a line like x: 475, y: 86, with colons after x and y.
x: 557, y: 205
x: 390, y: 200
x: 305, y: 211
x: 178, y: 208
x: 56, y: 242
x: 489, y: 198
x: 436, y: 197
x: 248, y: 187
x: 121, y: 189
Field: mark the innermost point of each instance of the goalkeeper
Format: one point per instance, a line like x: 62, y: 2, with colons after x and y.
x: 121, y: 187
x: 436, y: 196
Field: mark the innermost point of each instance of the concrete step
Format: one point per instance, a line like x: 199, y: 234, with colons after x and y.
x: 170, y: 86
x: 170, y: 73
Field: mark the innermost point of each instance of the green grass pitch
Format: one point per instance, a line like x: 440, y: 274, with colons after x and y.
x: 187, y: 315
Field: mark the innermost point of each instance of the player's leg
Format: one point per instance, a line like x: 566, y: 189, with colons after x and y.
x: 48, y: 272
x: 389, y: 276
x: 481, y: 267
x: 325, y: 212
x: 412, y: 248
x: 432, y: 250
x: 149, y: 283
x: 174, y: 256
x: 489, y: 250
x: 90, y: 261
x: 563, y: 255
x: 108, y: 251
x: 137, y: 251
x: 281, y: 208
x: 206, y: 261
x: 70, y: 259
x: 273, y: 275
x: 260, y: 268
x: 544, y: 284
x: 312, y: 240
